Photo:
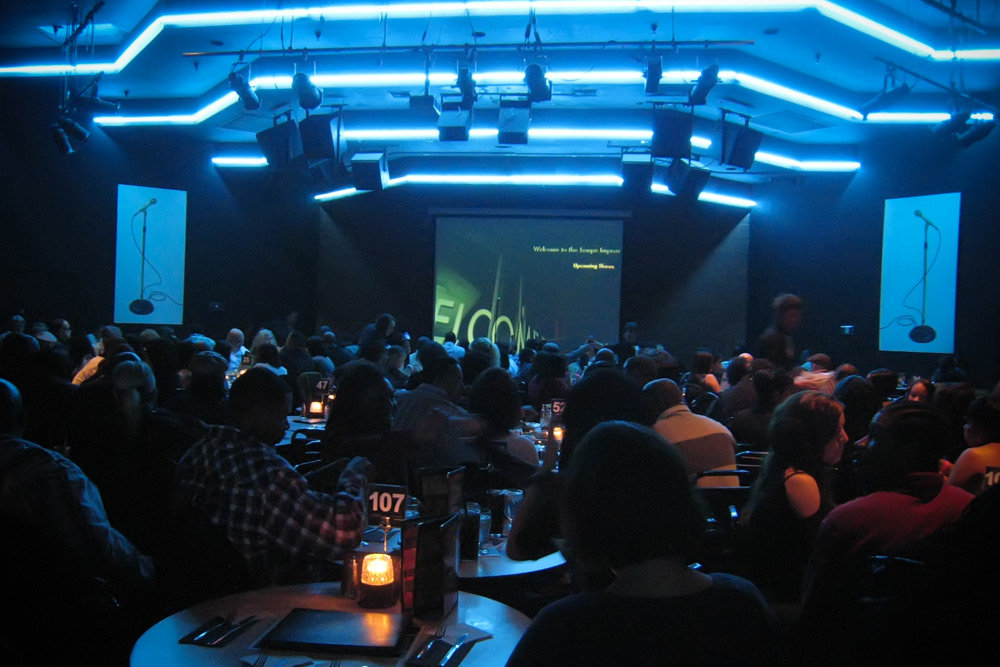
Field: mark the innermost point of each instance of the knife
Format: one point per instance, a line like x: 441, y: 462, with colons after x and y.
x: 453, y: 650
x: 231, y: 632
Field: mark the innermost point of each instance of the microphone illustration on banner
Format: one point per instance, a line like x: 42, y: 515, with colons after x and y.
x: 916, y: 213
x: 151, y: 202
x: 922, y: 333
x: 142, y: 305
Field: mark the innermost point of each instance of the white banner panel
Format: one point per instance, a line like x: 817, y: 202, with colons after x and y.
x: 919, y: 273
x: 149, y: 263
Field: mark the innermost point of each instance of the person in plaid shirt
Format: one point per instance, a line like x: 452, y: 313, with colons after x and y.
x: 262, y: 505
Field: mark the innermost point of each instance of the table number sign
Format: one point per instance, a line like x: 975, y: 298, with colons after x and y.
x: 385, y: 500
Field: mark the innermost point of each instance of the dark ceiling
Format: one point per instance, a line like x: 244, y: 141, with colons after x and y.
x: 798, y: 71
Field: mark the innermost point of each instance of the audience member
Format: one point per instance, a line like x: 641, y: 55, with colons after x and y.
x: 603, y: 395
x: 704, y: 443
x: 234, y: 478
x: 776, y: 343
x: 791, y: 497
x: 657, y: 609
x: 908, y: 501
x: 978, y: 467
x: 65, y: 566
x: 237, y: 349
x: 921, y: 391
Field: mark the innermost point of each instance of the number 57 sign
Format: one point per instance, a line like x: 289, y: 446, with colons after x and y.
x: 386, y: 501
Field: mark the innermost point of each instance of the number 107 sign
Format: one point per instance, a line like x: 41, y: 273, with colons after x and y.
x: 385, y: 500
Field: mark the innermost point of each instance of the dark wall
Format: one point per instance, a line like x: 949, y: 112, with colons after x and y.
x: 251, y: 238
x: 820, y: 237
x: 378, y: 252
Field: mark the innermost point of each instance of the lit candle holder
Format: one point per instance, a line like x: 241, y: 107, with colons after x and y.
x: 377, y: 589
x: 557, y: 434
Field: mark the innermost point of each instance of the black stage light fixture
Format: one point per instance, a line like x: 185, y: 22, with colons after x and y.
x: 685, y: 181
x: 514, y: 121
x: 637, y: 172
x: 61, y: 140
x: 281, y: 144
x: 740, y: 145
x: 73, y: 128
x: 369, y: 171
x: 309, y: 95
x: 706, y: 82
x: 240, y: 86
x: 539, y: 88
x: 454, y: 123
x: 92, y: 104
x: 955, y: 124
x: 466, y: 86
x: 654, y: 72
x: 887, y: 98
x: 671, y: 133
x: 424, y: 108
x: 319, y: 137
x: 977, y: 132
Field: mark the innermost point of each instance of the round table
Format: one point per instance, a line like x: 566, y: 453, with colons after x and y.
x: 502, y: 565
x: 159, y: 647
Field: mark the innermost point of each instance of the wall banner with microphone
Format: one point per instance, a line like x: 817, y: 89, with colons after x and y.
x: 919, y: 273
x: 149, y: 263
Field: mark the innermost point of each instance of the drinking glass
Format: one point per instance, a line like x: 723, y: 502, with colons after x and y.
x: 485, y: 523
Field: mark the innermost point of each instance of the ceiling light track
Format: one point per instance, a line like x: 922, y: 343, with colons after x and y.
x: 950, y: 89
x: 508, y: 46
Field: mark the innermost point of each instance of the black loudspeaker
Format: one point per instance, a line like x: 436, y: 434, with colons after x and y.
x: 637, y: 171
x: 741, y: 146
x: 672, y: 133
x: 514, y: 121
x: 454, y: 124
x: 686, y: 181
x: 369, y: 171
x: 281, y: 144
x: 319, y: 137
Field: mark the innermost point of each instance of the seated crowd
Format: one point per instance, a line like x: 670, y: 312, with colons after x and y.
x: 146, y: 472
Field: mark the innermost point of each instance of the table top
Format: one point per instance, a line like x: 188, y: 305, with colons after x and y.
x: 159, y: 647
x: 502, y: 565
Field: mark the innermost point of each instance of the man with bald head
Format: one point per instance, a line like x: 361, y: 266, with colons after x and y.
x: 704, y: 443
x: 235, y: 340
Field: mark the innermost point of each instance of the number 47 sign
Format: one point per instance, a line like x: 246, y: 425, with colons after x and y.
x: 385, y: 500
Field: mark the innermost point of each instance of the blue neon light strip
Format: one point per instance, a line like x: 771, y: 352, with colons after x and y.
x: 239, y: 161
x: 714, y: 197
x: 728, y: 76
x: 374, y: 11
x: 598, y: 180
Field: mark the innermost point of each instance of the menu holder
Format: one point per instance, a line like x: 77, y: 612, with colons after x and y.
x: 430, y: 566
x: 441, y: 490
x: 308, y: 630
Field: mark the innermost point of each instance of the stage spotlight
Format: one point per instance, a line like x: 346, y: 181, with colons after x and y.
x: 654, y: 72
x: 91, y: 104
x: 887, y: 98
x: 240, y: 86
x: 953, y: 125
x: 309, y: 95
x: 73, y: 128
x: 978, y: 131
x: 539, y: 88
x: 467, y: 87
x: 61, y: 140
x: 706, y: 82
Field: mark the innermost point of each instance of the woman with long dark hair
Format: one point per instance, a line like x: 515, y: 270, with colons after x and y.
x: 791, y: 497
